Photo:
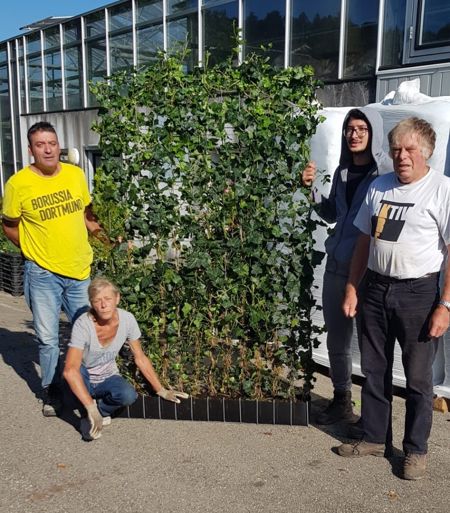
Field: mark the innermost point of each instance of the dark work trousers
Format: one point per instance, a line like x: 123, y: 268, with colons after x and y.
x: 398, y: 309
x: 340, y: 329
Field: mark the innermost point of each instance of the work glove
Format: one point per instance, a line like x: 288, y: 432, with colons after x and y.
x: 172, y: 395
x: 95, y: 420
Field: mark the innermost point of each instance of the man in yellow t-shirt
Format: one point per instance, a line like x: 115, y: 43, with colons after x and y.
x: 47, y: 214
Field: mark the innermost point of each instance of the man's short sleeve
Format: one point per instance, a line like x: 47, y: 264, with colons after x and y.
x: 133, y: 331
x: 80, y: 333
x: 84, y: 188
x: 363, y: 217
x: 12, y: 206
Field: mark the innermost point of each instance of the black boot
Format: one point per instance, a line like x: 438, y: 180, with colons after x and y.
x: 340, y: 409
x: 355, y: 431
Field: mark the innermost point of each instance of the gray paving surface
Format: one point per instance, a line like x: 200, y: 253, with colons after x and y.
x: 170, y: 467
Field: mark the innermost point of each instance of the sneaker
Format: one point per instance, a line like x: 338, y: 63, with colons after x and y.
x: 361, y: 448
x: 340, y: 409
x: 414, y: 466
x: 51, y: 401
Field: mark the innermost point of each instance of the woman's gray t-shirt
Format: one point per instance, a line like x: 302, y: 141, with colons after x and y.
x: 100, y: 361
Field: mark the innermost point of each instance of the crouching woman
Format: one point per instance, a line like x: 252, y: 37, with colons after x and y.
x: 91, y: 370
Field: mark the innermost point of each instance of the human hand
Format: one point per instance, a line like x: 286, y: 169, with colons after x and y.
x: 439, y: 322
x: 103, y: 237
x: 350, y: 301
x: 95, y: 420
x: 172, y: 395
x: 124, y: 245
x: 309, y: 174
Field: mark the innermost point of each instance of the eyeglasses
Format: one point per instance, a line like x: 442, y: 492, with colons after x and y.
x: 359, y: 131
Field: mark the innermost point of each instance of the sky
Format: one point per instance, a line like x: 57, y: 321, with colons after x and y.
x: 18, y: 13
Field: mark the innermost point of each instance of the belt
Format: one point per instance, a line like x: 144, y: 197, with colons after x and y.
x: 380, y: 278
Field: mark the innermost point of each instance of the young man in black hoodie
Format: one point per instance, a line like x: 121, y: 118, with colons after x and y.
x: 362, y: 160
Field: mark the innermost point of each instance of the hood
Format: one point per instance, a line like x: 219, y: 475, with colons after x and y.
x: 382, y: 159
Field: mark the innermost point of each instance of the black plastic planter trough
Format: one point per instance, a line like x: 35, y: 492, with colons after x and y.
x: 276, y: 411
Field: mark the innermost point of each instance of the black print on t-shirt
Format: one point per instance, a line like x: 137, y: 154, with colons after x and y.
x: 56, y: 204
x: 389, y: 219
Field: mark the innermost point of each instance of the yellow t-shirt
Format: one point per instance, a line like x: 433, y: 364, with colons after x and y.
x: 52, y: 229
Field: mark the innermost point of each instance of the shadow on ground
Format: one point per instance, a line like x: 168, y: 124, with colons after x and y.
x: 19, y: 350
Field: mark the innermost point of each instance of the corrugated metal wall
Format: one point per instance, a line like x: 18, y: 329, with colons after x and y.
x: 434, y: 80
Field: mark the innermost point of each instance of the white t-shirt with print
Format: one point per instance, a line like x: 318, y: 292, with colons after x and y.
x: 100, y: 361
x: 409, y: 225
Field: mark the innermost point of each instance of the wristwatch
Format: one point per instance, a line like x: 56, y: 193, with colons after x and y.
x: 444, y: 303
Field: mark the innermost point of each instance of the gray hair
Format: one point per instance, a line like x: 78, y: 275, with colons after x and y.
x: 418, y: 126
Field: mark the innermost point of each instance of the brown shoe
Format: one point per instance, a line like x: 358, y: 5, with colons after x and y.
x: 361, y: 448
x: 414, y: 466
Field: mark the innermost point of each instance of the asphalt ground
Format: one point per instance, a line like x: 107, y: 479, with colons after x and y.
x: 160, y: 466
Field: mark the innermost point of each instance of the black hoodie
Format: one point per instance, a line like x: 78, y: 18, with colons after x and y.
x: 334, y: 209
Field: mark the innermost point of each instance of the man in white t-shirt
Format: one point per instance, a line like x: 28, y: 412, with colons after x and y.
x: 404, y: 242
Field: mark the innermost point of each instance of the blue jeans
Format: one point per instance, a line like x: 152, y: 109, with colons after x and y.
x: 46, y: 294
x: 399, y: 310
x: 111, y: 394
